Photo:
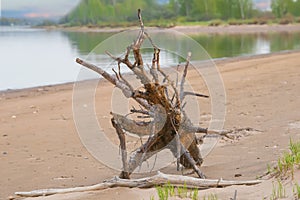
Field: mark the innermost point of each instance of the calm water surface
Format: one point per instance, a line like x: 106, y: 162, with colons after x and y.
x: 34, y: 57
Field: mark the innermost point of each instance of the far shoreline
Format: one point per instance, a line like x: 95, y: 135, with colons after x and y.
x: 189, y: 29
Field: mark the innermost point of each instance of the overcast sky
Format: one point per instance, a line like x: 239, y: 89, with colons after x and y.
x: 38, y: 8
x: 263, y: 4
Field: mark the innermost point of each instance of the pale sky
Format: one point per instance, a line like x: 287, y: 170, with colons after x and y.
x: 38, y: 8
x: 263, y: 4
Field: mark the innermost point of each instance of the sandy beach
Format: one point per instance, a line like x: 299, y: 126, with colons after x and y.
x: 195, y: 29
x: 40, y: 148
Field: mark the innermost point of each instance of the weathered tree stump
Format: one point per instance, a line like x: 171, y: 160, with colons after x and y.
x: 159, y: 100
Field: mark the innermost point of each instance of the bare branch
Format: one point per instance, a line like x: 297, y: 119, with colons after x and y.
x: 194, y: 94
x: 159, y: 179
x: 144, y: 112
x: 125, y: 89
x: 125, y: 61
x: 121, y: 134
x: 123, y: 79
x: 138, y: 72
x: 184, y: 76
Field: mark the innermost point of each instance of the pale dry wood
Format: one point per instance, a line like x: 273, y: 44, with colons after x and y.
x: 184, y: 76
x: 122, y: 139
x: 167, y: 119
x: 158, y: 179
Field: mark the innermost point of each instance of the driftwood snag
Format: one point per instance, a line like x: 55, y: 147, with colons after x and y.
x: 159, y: 100
x: 169, y: 127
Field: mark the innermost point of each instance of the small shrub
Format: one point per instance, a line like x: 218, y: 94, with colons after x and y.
x: 287, y: 19
x: 262, y: 21
x: 216, y: 22
x: 235, y: 22
x: 251, y: 21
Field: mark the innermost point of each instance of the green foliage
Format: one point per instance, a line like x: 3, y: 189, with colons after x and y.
x: 289, y: 160
x: 278, y: 191
x: 282, y: 7
x: 216, y: 22
x: 194, y: 194
x: 103, y: 12
x: 287, y: 19
x: 162, y: 192
x: 168, y: 190
x: 296, y: 191
x: 235, y: 22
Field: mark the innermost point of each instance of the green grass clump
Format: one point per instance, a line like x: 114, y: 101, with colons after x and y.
x: 194, y: 194
x: 211, y: 197
x: 168, y: 190
x: 163, y: 193
x: 288, y: 161
x: 278, y: 191
x: 296, y: 191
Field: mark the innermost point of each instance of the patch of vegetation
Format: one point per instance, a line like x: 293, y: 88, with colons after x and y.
x: 235, y: 22
x: 211, y: 197
x: 168, y: 190
x: 216, y: 22
x: 296, y: 191
x: 289, y: 160
x: 286, y: 165
x: 287, y: 19
x: 119, y: 11
x: 278, y: 191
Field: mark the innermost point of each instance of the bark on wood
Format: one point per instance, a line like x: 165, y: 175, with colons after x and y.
x: 169, y: 126
x: 159, y: 179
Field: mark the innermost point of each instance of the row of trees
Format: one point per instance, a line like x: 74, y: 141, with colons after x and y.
x: 280, y: 8
x: 212, y: 9
x: 119, y: 11
x: 95, y: 11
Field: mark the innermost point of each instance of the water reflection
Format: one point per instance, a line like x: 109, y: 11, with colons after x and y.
x: 217, y: 45
x: 248, y: 44
x: 33, y: 57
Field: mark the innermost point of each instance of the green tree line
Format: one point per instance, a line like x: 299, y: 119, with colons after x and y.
x: 281, y: 8
x: 117, y: 11
x: 109, y: 12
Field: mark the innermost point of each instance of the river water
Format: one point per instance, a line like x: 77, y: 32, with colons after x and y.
x: 35, y: 57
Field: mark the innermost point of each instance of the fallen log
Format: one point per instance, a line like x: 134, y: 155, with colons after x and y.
x: 148, y: 182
